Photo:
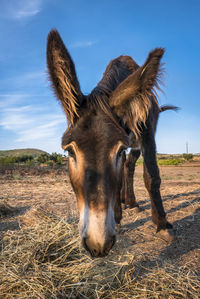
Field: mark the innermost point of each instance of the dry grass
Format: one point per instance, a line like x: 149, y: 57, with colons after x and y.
x: 6, y: 209
x: 44, y: 259
x: 41, y: 256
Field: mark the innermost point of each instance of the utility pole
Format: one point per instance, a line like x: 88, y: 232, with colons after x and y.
x: 186, y: 147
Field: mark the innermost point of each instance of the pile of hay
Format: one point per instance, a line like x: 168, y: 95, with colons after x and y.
x: 44, y: 259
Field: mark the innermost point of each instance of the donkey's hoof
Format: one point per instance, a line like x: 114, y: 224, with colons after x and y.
x: 163, y: 225
x: 167, y: 235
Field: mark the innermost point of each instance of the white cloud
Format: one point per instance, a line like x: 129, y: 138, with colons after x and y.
x: 32, y: 75
x: 83, y: 44
x: 25, y: 79
x: 8, y: 100
x: 20, y: 9
x: 40, y: 133
x: 32, y: 125
x: 16, y: 118
x: 28, y: 118
x: 26, y: 13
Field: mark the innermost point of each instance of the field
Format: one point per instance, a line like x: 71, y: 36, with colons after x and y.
x: 41, y: 256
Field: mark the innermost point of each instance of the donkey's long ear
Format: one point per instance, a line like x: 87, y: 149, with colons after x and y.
x: 132, y: 99
x: 63, y: 76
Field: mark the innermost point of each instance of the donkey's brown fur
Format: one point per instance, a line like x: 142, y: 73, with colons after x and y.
x: 121, y: 112
x: 62, y: 75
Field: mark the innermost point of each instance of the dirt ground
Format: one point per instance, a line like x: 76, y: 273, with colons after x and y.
x: 137, y: 234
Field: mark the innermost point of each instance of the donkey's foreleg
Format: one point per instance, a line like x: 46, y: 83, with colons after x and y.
x: 152, y: 182
x: 127, y: 193
x: 119, y: 199
x: 118, y: 209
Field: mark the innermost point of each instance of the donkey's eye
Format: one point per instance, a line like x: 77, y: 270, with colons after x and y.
x: 71, y: 152
x: 120, y: 152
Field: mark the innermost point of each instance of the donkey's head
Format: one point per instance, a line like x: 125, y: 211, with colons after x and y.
x: 96, y: 136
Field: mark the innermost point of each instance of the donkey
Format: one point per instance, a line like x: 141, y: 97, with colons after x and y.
x: 120, y: 112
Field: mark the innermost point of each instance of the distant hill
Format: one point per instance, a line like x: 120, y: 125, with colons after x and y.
x: 18, y: 152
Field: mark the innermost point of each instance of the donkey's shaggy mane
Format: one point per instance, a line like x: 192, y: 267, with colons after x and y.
x: 126, y: 91
x: 117, y: 72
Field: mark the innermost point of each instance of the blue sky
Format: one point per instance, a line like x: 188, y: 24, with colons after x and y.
x: 96, y: 32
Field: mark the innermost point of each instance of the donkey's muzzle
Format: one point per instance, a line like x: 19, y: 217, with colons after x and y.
x: 96, y: 249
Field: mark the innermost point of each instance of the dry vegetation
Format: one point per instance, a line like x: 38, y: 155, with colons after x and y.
x: 41, y: 256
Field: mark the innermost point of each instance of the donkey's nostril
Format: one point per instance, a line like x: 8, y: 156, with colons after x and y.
x: 112, y: 241
x: 109, y: 245
x: 90, y: 246
x: 94, y: 253
x: 85, y: 243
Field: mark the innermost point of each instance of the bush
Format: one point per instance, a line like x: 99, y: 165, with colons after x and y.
x: 59, y: 159
x: 25, y: 158
x: 10, y: 160
x: 29, y: 162
x: 170, y: 162
x: 188, y: 157
x: 43, y: 158
x: 49, y: 163
x: 7, y: 160
x: 56, y: 158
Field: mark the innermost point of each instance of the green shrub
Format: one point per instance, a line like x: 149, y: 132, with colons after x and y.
x: 59, y: 159
x: 53, y: 157
x: 162, y: 157
x: 188, y: 157
x: 43, y: 158
x: 170, y: 162
x: 49, y: 163
x: 25, y: 158
x: 139, y: 161
x: 29, y: 162
x: 10, y: 160
x: 56, y: 158
x: 7, y: 160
